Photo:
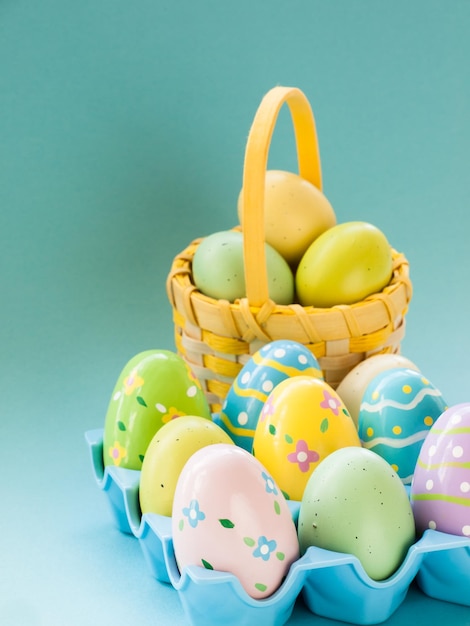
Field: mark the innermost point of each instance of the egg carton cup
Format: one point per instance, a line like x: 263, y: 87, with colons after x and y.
x: 121, y: 487
x: 332, y: 584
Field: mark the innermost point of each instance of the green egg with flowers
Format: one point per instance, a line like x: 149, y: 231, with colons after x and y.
x: 154, y: 387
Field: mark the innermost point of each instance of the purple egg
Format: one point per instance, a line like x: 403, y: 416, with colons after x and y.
x: 440, y: 491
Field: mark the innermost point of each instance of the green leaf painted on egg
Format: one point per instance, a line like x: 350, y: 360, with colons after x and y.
x: 277, y: 507
x: 288, y: 438
x: 261, y: 587
x: 280, y: 555
x: 121, y: 425
x: 249, y: 541
x: 153, y: 386
x: 324, y: 425
x: 272, y: 429
x: 141, y: 401
x: 345, y: 411
x: 206, y: 564
x: 226, y: 523
x: 285, y: 494
x: 141, y: 457
x: 181, y: 524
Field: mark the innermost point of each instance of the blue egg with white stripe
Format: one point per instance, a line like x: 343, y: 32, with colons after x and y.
x: 270, y: 365
x: 398, y: 408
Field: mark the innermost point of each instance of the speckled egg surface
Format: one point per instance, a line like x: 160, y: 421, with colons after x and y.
x: 270, y: 365
x: 398, y: 408
x: 229, y: 515
x: 355, y: 503
x: 440, y: 492
x: 302, y: 422
x: 171, y: 447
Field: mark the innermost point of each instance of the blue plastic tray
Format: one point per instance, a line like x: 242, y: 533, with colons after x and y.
x: 333, y: 585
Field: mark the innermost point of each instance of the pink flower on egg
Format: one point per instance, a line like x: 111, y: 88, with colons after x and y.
x: 117, y: 453
x: 303, y: 456
x: 171, y: 414
x: 330, y: 402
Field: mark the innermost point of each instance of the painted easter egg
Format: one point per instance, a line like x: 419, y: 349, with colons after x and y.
x: 295, y: 213
x: 171, y: 447
x: 154, y: 387
x: 219, y: 269
x: 351, y: 389
x: 301, y: 423
x: 270, y: 365
x: 345, y: 264
x: 398, y: 408
x: 229, y: 515
x: 440, y: 491
x: 355, y: 503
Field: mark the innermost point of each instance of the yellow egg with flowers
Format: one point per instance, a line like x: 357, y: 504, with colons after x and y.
x: 301, y: 423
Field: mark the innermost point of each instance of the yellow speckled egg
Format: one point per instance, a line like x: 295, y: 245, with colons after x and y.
x: 302, y: 422
x: 167, y: 454
x: 295, y: 213
x: 345, y: 264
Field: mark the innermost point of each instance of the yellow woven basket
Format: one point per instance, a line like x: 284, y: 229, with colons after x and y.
x: 217, y: 337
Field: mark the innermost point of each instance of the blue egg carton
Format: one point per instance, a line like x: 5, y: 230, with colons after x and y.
x: 332, y: 584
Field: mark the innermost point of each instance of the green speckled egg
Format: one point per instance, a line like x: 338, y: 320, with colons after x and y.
x: 355, y: 503
x: 154, y: 387
x: 218, y: 269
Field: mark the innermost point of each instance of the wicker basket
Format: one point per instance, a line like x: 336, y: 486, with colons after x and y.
x: 217, y: 337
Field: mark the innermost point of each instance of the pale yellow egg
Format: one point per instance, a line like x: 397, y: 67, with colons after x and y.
x: 295, y: 213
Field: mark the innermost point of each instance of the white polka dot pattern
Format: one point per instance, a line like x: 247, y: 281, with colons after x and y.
x: 440, y: 492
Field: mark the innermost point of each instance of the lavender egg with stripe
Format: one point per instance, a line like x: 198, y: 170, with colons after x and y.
x: 440, y: 491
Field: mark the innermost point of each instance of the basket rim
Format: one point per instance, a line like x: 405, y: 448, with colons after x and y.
x: 181, y: 273
x: 216, y: 335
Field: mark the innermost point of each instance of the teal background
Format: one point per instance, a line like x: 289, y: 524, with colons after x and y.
x: 122, y: 135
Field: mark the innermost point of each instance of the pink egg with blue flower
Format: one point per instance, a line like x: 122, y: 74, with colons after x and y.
x: 230, y: 515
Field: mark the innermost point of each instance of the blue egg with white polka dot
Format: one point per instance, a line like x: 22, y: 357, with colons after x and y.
x: 269, y: 366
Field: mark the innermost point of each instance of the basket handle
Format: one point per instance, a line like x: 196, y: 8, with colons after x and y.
x: 254, y: 172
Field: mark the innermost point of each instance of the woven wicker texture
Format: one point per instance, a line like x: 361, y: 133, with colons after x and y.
x: 217, y: 337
